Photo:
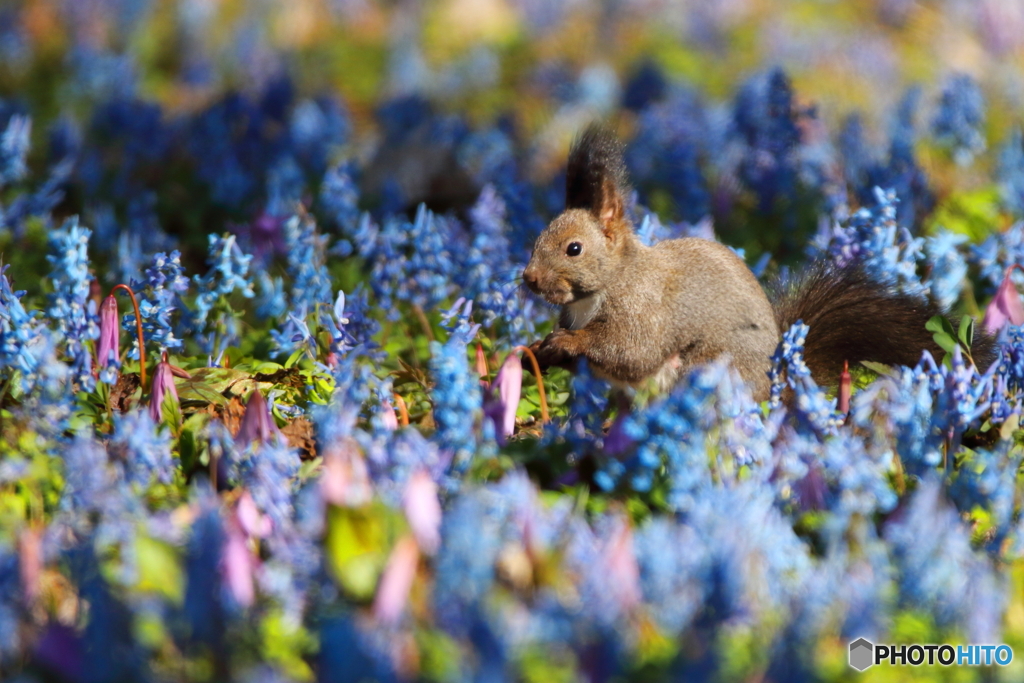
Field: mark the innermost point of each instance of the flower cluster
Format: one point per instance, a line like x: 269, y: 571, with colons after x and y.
x: 354, y: 476
x: 70, y: 308
x: 229, y: 272
x: 160, y: 296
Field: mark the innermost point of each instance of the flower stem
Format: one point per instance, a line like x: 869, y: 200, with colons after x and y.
x: 540, y: 381
x: 422, y: 317
x: 403, y: 410
x: 138, y: 331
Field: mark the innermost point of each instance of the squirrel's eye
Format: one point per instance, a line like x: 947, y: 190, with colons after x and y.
x: 574, y: 249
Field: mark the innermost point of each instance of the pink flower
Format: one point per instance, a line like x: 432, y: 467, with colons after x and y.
x: 257, y: 422
x: 30, y: 552
x: 423, y: 511
x: 163, y: 384
x: 623, y: 570
x: 253, y: 522
x: 345, y: 481
x: 109, y: 344
x: 845, y: 389
x: 812, y: 488
x: 501, y: 409
x: 388, y: 417
x: 396, y: 582
x: 238, y: 566
x: 481, y: 363
x: 1006, y: 306
x: 239, y: 561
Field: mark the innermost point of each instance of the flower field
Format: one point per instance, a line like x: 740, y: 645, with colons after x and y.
x: 267, y: 407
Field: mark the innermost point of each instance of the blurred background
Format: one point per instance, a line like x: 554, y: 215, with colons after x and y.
x: 178, y: 117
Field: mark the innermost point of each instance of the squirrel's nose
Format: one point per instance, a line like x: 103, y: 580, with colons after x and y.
x: 530, y: 278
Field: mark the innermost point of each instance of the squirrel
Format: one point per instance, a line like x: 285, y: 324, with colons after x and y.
x: 640, y: 313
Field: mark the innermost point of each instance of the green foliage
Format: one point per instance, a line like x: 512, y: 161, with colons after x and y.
x: 948, y: 339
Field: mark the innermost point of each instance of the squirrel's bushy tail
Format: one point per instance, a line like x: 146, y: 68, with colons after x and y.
x: 852, y: 317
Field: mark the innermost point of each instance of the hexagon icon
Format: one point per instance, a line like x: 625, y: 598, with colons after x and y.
x: 862, y: 654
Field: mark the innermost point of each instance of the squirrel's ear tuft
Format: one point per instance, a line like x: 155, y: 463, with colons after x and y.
x: 596, y: 177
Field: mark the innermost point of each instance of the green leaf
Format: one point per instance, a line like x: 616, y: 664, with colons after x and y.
x: 188, y: 451
x: 287, y: 645
x: 945, y: 341
x: 294, y: 358
x: 170, y: 410
x: 159, y: 569
x: 966, y: 331
x: 940, y: 323
x: 357, y: 546
x: 878, y: 368
x: 192, y: 394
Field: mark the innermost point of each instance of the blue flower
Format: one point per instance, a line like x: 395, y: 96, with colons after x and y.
x: 470, y: 541
x: 70, y: 307
x: 665, y: 154
x: 987, y: 480
x: 872, y: 237
x: 14, y: 146
x: 144, y: 448
x: 159, y: 297
x: 311, y: 283
x: 88, y: 477
x: 228, y: 273
x: 488, y: 274
x: 900, y: 171
x: 1010, y: 173
x: 456, y: 398
x: 339, y: 198
x: 939, y: 572
x: 272, y: 301
x: 204, y: 592
x: 11, y: 602
x: 583, y: 426
x: 900, y: 408
x: 21, y: 333
x: 671, y: 558
x: 960, y: 118
x: 998, y: 252
x: 317, y: 129
x: 267, y: 471
x: 671, y: 438
x: 766, y: 118
x: 948, y: 267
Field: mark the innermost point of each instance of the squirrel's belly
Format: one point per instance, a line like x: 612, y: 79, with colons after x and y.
x: 667, y: 376
x: 664, y: 379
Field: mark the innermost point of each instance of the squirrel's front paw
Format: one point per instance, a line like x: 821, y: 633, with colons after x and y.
x: 558, y: 349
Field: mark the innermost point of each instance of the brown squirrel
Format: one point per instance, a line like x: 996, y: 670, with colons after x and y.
x: 640, y: 313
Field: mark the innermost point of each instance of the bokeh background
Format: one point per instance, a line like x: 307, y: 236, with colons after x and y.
x: 325, y: 207
x: 139, y: 84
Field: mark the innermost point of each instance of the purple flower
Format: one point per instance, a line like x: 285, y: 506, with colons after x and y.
x: 1006, y: 306
x: 257, y: 422
x: 163, y: 384
x: 845, y: 388
x: 109, y: 345
x: 423, y: 510
x: 396, y: 582
x: 238, y: 566
x: 501, y: 409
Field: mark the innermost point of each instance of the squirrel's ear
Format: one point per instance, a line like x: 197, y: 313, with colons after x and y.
x: 610, y: 210
x: 596, y: 178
